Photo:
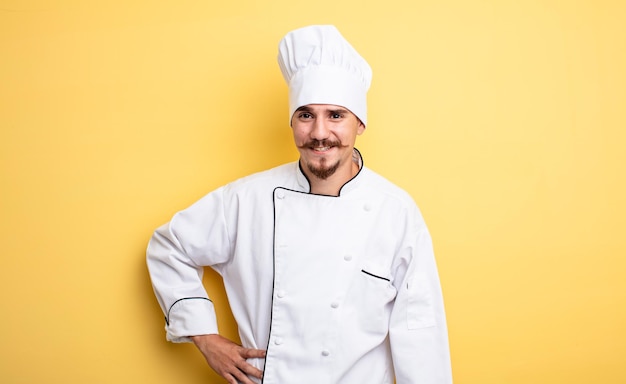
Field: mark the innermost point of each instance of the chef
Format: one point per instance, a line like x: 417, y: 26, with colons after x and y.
x: 328, y: 267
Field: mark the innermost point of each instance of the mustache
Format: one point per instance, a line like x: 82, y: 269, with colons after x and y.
x: 321, y: 143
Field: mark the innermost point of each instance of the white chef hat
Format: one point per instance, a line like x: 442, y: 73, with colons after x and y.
x: 321, y: 67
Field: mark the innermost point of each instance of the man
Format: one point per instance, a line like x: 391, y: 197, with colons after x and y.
x: 328, y: 267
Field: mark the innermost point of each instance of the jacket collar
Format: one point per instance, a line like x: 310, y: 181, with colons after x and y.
x: 303, y: 181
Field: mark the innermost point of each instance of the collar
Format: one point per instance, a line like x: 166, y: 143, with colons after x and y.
x: 303, y: 181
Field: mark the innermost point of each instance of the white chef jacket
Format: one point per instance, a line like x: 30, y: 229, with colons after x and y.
x: 338, y: 289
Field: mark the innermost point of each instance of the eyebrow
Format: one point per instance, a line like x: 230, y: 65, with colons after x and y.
x: 339, y: 111
x: 305, y: 108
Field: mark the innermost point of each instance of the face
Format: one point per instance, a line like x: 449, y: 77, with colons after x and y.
x: 325, y: 135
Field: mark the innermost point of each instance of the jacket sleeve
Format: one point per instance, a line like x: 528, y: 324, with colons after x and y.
x: 176, y: 254
x: 418, y: 332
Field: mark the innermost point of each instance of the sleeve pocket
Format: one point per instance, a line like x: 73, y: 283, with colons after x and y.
x: 420, y: 311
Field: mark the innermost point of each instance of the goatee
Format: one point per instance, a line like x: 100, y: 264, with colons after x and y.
x: 323, y: 172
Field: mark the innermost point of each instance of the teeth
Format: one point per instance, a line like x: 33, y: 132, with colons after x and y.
x: 322, y: 149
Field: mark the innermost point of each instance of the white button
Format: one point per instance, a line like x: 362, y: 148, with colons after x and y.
x: 280, y: 194
x: 334, y: 304
x: 280, y: 294
x: 278, y: 341
x: 367, y: 207
x: 325, y: 353
x: 347, y: 257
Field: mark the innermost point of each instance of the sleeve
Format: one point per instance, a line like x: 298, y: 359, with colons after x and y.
x: 418, y: 333
x: 176, y: 254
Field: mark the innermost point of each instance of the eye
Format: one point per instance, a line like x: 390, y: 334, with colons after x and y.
x: 336, y: 116
x: 305, y: 115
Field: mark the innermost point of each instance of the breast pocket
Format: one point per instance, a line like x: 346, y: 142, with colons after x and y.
x: 371, y: 297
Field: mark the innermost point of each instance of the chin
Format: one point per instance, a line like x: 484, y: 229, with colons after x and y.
x: 323, y: 172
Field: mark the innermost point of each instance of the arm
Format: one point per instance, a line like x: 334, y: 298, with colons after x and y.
x: 176, y: 255
x: 418, y: 331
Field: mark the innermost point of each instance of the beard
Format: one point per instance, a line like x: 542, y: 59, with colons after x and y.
x: 324, y: 170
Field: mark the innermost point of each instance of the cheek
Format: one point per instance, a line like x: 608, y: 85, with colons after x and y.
x: 298, y: 135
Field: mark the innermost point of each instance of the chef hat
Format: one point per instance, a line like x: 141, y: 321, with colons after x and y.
x: 321, y: 67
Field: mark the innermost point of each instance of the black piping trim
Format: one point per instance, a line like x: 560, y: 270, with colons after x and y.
x: 360, y: 168
x: 167, y: 316
x: 320, y: 194
x: 273, y: 282
x: 373, y: 275
x: 305, y: 176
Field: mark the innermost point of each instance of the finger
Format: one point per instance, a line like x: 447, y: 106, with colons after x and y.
x: 242, y: 377
x: 230, y: 379
x: 249, y: 353
x: 251, y: 370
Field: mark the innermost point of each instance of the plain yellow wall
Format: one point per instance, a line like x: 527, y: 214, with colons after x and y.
x: 504, y: 119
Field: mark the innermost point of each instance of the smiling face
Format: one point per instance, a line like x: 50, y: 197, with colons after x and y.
x: 325, y: 135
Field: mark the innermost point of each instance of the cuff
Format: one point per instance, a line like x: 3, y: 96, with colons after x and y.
x: 190, y: 317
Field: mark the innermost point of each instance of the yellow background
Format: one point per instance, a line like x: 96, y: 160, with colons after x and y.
x: 504, y: 119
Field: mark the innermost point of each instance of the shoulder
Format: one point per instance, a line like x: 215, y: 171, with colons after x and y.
x: 281, y: 175
x: 376, y: 184
x: 393, y: 199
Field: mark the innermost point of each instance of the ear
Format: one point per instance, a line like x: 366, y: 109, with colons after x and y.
x: 361, y: 128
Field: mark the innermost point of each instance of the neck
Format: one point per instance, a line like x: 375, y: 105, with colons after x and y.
x: 331, y: 185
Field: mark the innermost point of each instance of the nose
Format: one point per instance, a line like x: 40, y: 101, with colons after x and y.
x: 320, y: 130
